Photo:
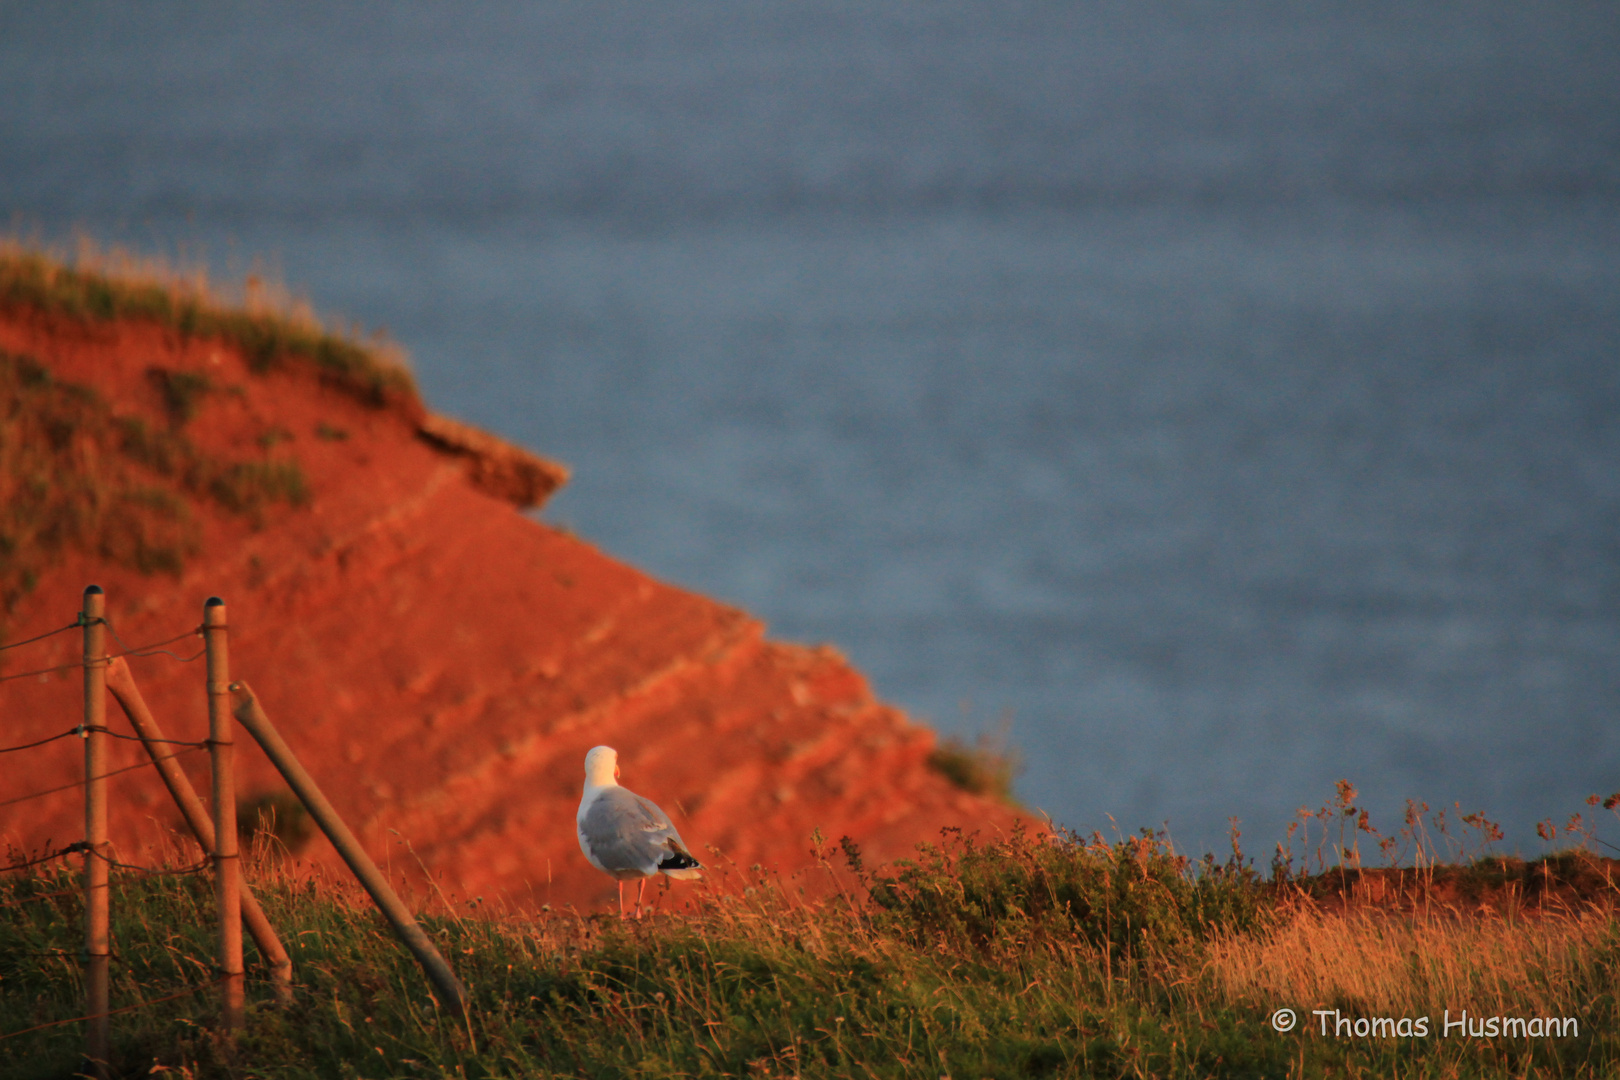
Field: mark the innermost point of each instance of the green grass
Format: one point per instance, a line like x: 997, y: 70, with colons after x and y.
x: 1025, y: 957
x: 987, y: 766
x: 270, y: 330
x: 75, y: 477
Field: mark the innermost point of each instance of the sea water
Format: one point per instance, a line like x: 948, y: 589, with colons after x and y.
x: 1226, y: 393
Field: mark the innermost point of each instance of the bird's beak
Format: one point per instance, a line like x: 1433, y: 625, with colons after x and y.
x: 615, y: 772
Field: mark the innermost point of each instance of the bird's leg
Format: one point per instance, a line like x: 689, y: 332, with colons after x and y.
x: 640, y: 892
x: 621, y: 899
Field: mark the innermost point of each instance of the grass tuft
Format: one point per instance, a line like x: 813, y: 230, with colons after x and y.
x: 1126, y: 900
x: 276, y: 821
x: 270, y: 328
x: 988, y: 767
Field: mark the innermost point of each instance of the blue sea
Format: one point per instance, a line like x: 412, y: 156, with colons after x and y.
x: 1225, y: 396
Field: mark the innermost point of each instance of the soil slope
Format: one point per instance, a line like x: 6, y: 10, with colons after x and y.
x: 440, y: 660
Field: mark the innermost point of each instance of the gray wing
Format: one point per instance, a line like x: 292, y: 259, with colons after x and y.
x: 629, y: 834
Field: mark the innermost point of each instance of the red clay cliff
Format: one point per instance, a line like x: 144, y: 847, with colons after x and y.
x: 440, y: 660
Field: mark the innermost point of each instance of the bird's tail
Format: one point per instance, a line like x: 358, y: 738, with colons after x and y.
x: 680, y: 864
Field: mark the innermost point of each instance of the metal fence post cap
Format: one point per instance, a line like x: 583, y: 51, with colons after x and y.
x: 93, y: 590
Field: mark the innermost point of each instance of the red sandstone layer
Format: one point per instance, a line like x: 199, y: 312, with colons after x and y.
x: 441, y: 662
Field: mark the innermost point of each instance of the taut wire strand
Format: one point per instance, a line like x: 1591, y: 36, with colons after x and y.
x: 103, y: 776
x: 42, y: 671
x: 42, y: 742
x: 114, y: 1012
x: 152, y: 871
x: 142, y: 738
x: 57, y: 854
x: 153, y: 649
x: 42, y: 637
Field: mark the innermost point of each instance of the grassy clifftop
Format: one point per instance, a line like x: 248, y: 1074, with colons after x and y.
x: 268, y: 327
x: 1021, y: 958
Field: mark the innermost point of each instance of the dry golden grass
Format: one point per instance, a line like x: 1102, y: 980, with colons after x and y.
x: 1370, y: 963
x: 269, y: 324
x: 260, y: 292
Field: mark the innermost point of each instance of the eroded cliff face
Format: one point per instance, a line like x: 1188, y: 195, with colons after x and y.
x: 440, y: 661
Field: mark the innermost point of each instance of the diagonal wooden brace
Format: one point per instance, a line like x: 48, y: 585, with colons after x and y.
x: 121, y: 683
x: 251, y: 715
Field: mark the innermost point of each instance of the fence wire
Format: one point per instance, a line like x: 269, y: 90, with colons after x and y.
x: 21, y: 900
x: 195, y: 743
x: 52, y: 633
x: 83, y: 728
x: 57, y: 854
x: 102, y: 776
x: 42, y: 742
x: 153, y: 649
x: 41, y: 671
x: 154, y: 871
x: 114, y: 1012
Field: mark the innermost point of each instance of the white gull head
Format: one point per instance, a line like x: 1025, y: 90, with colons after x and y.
x: 602, y: 767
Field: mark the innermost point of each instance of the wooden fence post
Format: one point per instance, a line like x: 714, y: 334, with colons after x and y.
x: 121, y: 684
x: 97, y: 934
x: 227, y: 863
x: 398, y: 915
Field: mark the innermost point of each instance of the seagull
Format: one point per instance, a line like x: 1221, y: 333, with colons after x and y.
x: 624, y: 835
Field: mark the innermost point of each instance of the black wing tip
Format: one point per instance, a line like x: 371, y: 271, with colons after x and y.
x: 680, y: 860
